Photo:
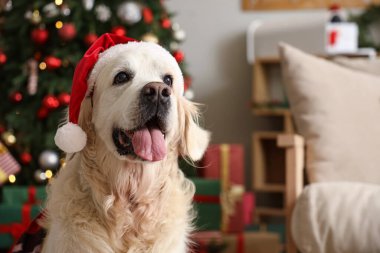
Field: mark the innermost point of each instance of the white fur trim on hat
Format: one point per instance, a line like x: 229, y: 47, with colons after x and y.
x: 70, y: 138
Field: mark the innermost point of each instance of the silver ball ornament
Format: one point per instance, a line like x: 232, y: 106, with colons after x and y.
x: 102, y: 12
x: 189, y: 94
x: 88, y: 4
x: 174, y: 46
x: 176, y: 26
x: 50, y: 10
x: 66, y: 11
x: 129, y: 12
x: 39, y: 176
x: 48, y: 159
x: 179, y: 35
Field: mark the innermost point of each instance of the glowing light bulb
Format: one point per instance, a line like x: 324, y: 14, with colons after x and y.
x: 12, y: 178
x: 58, y: 24
x: 48, y: 174
x: 42, y: 66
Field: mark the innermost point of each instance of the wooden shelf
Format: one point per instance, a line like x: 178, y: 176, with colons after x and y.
x: 268, y: 211
x: 271, y: 111
x: 270, y: 188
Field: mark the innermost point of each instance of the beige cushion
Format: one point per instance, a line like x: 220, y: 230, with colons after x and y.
x: 371, y: 66
x: 337, y: 110
x: 341, y: 217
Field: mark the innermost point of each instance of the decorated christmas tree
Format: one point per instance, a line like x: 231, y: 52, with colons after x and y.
x: 40, y: 44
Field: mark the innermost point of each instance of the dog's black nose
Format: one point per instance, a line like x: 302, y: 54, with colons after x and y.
x: 156, y: 92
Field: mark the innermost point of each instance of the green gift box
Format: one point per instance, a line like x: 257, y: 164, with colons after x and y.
x: 14, y: 220
x: 207, y: 204
x: 17, y: 195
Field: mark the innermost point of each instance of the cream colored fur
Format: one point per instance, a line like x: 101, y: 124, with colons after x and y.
x: 102, y: 202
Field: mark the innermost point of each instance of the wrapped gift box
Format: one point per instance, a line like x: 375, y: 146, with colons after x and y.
x: 277, y: 228
x: 14, y: 220
x: 207, y: 204
x: 248, y: 242
x: 207, y: 241
x: 210, y: 210
x: 17, y: 195
x: 224, y: 161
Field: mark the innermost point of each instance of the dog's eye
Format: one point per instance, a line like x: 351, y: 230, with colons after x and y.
x: 122, y: 77
x: 168, y: 79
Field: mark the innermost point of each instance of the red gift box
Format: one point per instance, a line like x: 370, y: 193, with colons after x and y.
x: 226, y: 162
x: 219, y: 157
x: 243, y: 214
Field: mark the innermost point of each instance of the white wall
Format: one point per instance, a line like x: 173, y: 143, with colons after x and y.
x: 215, y: 50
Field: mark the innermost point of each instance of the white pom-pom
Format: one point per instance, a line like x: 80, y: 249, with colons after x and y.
x: 70, y: 138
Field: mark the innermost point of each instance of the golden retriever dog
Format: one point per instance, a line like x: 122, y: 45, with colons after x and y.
x: 123, y: 192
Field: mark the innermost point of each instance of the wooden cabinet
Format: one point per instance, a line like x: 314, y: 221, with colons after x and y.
x: 269, y: 160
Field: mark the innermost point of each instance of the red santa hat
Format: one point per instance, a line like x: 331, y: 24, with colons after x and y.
x: 70, y: 137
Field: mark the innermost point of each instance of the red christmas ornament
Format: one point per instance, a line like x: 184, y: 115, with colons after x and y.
x: 3, y: 58
x: 166, y: 23
x: 52, y: 62
x: 179, y: 56
x: 25, y: 158
x: 64, y: 98
x: 67, y: 32
x: 119, y: 30
x: 42, y: 113
x: 50, y: 102
x: 187, y: 82
x: 2, y: 129
x: 90, y: 38
x: 16, y: 97
x: 39, y: 36
x: 147, y: 15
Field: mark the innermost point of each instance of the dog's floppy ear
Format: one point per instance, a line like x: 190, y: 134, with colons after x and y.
x: 85, y: 117
x: 194, y: 139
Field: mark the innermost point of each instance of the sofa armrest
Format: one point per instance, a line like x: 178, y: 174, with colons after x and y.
x: 294, y: 165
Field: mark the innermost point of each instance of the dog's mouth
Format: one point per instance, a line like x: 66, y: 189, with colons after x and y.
x: 146, y: 141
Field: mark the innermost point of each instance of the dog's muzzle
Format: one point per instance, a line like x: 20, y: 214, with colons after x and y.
x: 155, y: 98
x: 147, y: 139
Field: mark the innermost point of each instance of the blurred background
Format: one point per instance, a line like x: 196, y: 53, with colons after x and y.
x: 228, y: 53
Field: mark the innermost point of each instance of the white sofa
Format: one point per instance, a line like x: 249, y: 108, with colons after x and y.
x: 336, y: 108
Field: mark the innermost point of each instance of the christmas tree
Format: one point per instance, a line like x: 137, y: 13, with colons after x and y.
x: 40, y: 44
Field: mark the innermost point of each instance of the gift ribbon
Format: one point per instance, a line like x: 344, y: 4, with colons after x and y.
x: 32, y: 195
x: 230, y: 198
x: 240, y: 243
x: 230, y: 194
x: 17, y: 229
x: 207, y: 199
x: 225, y: 179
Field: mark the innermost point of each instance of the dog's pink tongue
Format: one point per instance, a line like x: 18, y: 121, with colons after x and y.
x: 149, y: 144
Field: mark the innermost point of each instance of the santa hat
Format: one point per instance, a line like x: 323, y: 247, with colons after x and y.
x: 70, y: 137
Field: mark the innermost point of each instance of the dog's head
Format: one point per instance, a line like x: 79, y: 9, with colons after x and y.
x: 137, y: 105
